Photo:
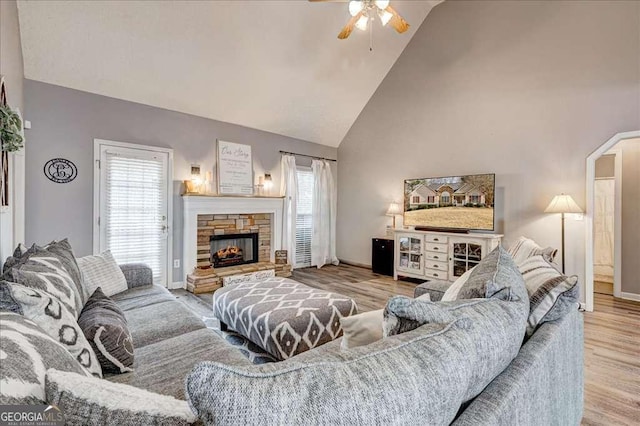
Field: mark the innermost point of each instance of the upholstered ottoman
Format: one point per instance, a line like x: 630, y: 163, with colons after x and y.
x: 282, y: 316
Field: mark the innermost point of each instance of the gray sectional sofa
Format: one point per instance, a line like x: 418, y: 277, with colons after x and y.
x: 543, y: 385
x: 428, y: 370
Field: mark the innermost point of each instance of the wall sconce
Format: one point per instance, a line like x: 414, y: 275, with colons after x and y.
x: 268, y: 184
x: 193, y: 185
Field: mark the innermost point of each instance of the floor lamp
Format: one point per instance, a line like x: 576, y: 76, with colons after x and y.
x: 563, y: 204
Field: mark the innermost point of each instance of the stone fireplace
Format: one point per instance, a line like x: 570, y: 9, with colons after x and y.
x: 250, y: 233
x: 217, y: 228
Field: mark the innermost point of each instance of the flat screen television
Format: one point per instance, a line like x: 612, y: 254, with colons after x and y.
x: 456, y: 203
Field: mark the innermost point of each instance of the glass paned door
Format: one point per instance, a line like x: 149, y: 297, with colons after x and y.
x: 134, y: 206
x: 465, y: 257
x: 410, y: 254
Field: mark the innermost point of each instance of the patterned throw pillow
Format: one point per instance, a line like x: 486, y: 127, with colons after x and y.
x: 41, y: 270
x: 64, y: 253
x: 524, y: 248
x: 26, y: 352
x: 18, y: 254
x: 53, y: 317
x: 102, y: 271
x: 552, y: 295
x: 89, y: 401
x: 105, y: 327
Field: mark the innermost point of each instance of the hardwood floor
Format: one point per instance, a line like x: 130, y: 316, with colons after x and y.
x: 612, y: 338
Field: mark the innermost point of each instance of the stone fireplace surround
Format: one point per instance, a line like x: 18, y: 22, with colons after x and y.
x: 203, y: 216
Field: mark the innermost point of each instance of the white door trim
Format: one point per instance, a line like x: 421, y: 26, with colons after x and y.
x: 97, y: 145
x: 590, y: 183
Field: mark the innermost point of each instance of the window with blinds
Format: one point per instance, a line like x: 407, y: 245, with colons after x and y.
x: 134, y: 208
x: 303, y: 220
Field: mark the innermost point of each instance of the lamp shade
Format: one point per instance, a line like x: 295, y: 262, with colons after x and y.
x: 394, y: 209
x: 563, y: 204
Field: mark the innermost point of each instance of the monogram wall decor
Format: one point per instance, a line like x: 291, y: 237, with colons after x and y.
x: 60, y: 170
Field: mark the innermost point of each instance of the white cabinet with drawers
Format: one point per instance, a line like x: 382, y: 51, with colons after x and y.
x: 439, y: 255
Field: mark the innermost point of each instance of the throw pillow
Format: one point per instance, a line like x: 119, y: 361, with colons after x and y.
x: 53, y: 317
x: 495, y: 276
x: 551, y: 294
x: 90, y: 401
x: 64, y: 253
x: 452, y: 292
x: 105, y: 327
x: 102, y: 271
x: 404, y: 314
x: 363, y: 329
x: 26, y: 352
x: 43, y: 271
x: 18, y: 253
x: 524, y: 248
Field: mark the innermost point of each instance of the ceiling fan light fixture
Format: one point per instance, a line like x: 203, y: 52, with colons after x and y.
x: 385, y: 17
x: 362, y: 23
x: 382, y: 4
x: 355, y: 7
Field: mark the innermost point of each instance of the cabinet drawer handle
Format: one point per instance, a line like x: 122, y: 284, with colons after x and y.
x: 436, y: 239
x: 435, y: 266
x: 436, y: 248
x: 435, y: 275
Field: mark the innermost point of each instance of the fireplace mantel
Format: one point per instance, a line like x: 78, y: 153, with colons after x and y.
x: 194, y: 205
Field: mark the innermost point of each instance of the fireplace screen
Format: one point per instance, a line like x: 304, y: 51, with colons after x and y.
x: 233, y: 249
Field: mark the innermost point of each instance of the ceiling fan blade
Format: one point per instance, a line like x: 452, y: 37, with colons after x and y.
x: 348, y: 29
x: 397, y: 21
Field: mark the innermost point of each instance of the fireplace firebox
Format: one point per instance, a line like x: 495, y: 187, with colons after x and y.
x: 233, y: 249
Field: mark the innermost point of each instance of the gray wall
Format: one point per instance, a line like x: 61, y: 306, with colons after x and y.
x: 523, y: 89
x: 64, y: 124
x: 630, y: 215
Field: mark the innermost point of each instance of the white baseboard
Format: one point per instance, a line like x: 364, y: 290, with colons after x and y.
x: 176, y: 285
x: 630, y: 296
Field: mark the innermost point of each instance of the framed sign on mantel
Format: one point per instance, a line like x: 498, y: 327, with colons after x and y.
x: 235, y: 169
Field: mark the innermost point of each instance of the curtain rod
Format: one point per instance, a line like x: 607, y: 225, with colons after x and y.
x: 310, y: 156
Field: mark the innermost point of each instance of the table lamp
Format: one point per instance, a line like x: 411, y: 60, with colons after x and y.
x: 563, y: 204
x: 393, y: 211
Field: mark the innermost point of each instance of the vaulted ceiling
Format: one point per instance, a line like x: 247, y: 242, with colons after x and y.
x: 271, y: 65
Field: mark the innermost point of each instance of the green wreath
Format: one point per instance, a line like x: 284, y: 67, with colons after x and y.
x: 10, y: 129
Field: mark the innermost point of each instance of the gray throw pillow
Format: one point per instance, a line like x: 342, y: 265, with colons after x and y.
x: 53, y: 318
x: 91, y: 401
x: 404, y: 314
x: 27, y: 352
x: 105, y: 327
x: 43, y: 271
x: 496, y: 276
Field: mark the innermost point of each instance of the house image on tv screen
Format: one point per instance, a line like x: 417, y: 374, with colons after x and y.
x: 447, y: 194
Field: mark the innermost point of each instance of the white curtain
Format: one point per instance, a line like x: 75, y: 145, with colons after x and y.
x: 323, y: 240
x: 289, y: 190
x: 603, y: 229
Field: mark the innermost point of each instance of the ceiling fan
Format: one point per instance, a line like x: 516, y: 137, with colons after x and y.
x: 364, y: 11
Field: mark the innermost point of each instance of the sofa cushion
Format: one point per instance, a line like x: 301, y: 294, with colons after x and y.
x: 101, y: 270
x: 162, y: 367
x: 26, y: 354
x: 139, y: 297
x: 52, y: 317
x: 105, y: 327
x: 43, y: 271
x: 160, y: 321
x: 90, y: 401
x: 552, y: 295
x: 404, y: 314
x: 495, y: 276
x: 419, y: 377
